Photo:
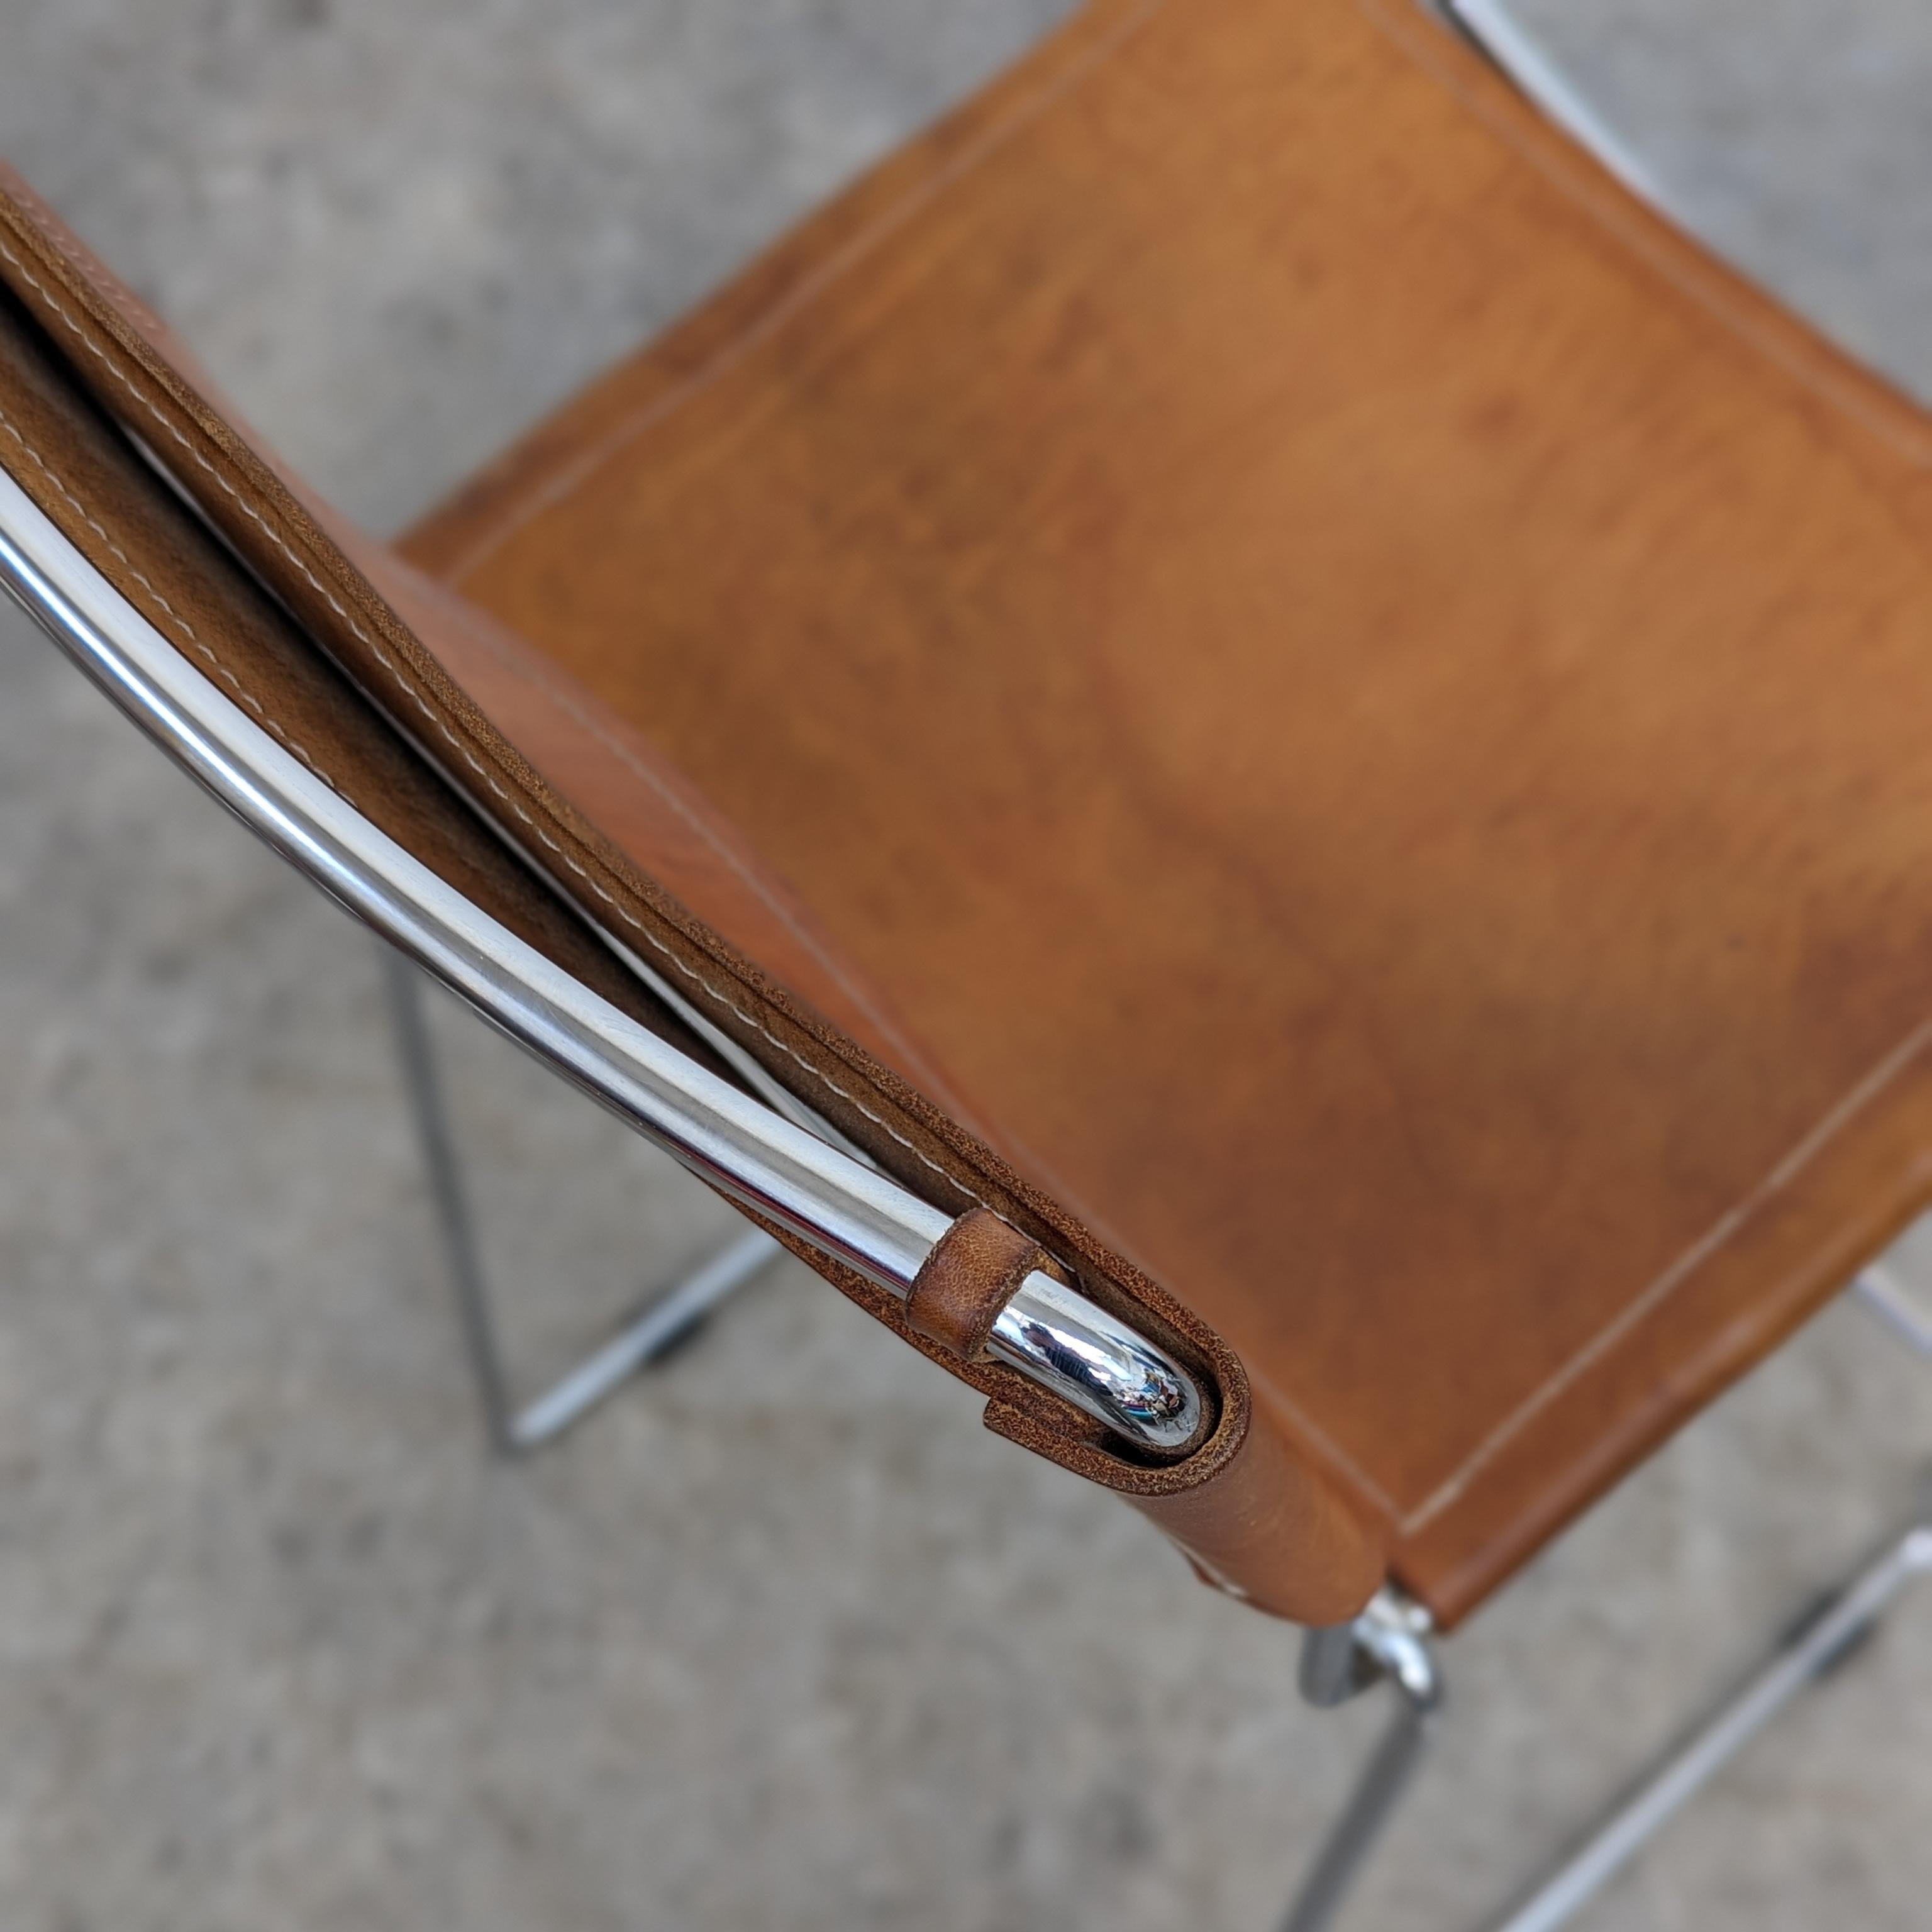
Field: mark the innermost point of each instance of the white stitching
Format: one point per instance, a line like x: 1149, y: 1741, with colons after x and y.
x: 181, y: 622
x: 54, y: 231
x: 539, y: 673
x: 564, y: 482
x: 1694, y: 280
x: 382, y: 657
x: 1662, y: 1286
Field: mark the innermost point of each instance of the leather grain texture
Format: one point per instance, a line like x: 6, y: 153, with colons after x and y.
x: 1364, y: 698
x: 345, y: 654
x: 972, y: 1273
x: 82, y: 474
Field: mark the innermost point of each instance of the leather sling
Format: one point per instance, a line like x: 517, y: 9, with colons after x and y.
x: 332, y: 642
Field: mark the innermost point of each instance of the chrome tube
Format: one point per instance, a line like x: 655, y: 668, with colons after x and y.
x: 841, y: 1207
x: 668, y: 1322
x: 1804, y: 1660
x: 1891, y: 1302
x: 1389, y: 1640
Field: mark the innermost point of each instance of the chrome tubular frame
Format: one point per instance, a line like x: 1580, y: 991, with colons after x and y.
x: 1822, y: 1642
x: 1048, y: 1331
x: 1892, y: 1303
x: 1389, y: 1640
x: 649, y: 1336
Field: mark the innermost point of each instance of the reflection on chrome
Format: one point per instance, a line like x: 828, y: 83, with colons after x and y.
x: 777, y: 1168
x: 1065, y: 1342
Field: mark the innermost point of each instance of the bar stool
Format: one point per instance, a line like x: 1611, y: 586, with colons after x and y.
x: 1238, y: 742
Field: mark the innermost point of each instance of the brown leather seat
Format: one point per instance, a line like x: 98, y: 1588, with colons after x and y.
x: 1363, y: 701
x: 1319, y: 679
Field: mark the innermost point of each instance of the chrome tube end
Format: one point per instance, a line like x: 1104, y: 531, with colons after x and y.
x: 1071, y: 1345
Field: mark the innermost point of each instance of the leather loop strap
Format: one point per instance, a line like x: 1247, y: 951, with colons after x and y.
x: 967, y: 1279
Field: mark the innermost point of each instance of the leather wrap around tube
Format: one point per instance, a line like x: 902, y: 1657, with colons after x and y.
x: 346, y: 653
x: 967, y: 1279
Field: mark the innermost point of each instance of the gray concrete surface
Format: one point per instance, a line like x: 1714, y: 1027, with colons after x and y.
x: 782, y: 1639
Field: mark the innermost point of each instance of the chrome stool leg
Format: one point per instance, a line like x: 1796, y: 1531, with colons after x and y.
x: 1389, y: 1639
x: 1807, y: 1657
x: 1882, y: 1295
x: 454, y: 1222
x: 649, y: 1336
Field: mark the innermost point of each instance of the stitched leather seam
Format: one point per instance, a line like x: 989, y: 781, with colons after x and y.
x: 622, y: 911
x: 53, y: 232
x: 174, y: 617
x: 567, y: 482
x: 1665, y: 1284
x: 553, y: 689
x: 1694, y: 280
x: 1041, y: 1169
x: 1301, y: 1423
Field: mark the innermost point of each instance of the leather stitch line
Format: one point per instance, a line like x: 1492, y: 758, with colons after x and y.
x: 1837, y: 392
x: 1300, y: 1420
x: 469, y: 756
x: 1665, y: 1284
x: 181, y: 622
x: 53, y: 230
x: 567, y: 482
x: 539, y: 671
x: 1837, y: 389
x: 540, y: 674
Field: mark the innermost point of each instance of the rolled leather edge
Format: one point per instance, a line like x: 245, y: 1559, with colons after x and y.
x: 1259, y: 1525
x: 1264, y: 1529
x: 1251, y: 1513
x: 1254, y: 1519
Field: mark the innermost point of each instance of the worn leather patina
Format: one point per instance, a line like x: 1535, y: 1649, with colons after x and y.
x: 1236, y: 657
x: 1359, y: 692
x: 344, y: 654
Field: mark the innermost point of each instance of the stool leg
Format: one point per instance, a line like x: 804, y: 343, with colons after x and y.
x: 1883, y: 1295
x: 454, y: 1222
x: 646, y: 1338
x: 1804, y: 1659
x: 652, y: 1335
x: 1389, y: 1639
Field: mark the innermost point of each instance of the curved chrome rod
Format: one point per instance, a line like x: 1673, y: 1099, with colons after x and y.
x: 844, y: 1208
x: 1806, y: 1657
x: 1389, y: 1639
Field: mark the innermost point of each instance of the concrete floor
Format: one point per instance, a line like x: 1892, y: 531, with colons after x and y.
x: 783, y: 1638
